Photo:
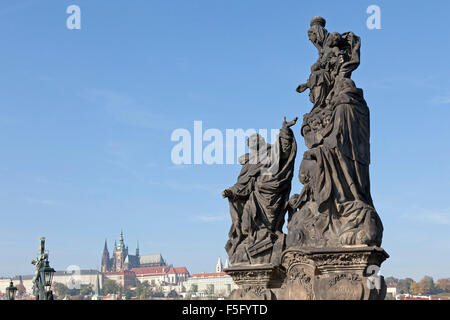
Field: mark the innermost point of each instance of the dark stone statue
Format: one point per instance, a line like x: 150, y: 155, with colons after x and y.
x: 335, y: 206
x: 258, y: 201
x: 332, y: 248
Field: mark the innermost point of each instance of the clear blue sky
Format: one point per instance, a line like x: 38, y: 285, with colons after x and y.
x: 86, y: 117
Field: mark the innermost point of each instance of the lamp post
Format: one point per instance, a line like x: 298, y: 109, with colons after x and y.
x: 42, y: 280
x: 11, y: 291
x: 46, y: 275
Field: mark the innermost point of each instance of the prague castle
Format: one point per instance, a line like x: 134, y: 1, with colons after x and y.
x: 121, y: 260
x: 127, y: 270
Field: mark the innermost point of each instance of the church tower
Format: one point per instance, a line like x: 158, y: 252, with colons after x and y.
x: 120, y: 253
x: 105, y: 259
x: 219, y: 266
x: 137, y: 249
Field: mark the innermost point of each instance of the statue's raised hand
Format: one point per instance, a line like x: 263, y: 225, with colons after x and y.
x: 227, y: 193
x: 290, y: 123
x: 301, y: 88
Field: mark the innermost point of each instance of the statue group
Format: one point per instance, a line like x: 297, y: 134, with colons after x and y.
x: 332, y: 246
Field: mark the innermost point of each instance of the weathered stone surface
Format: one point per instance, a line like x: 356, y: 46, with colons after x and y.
x: 344, y: 273
x: 256, y: 282
x: 334, y: 233
x: 258, y: 200
x: 335, y: 207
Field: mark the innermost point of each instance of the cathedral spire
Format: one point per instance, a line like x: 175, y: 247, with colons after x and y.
x: 97, y: 295
x: 121, y: 242
x: 105, y: 258
x: 219, y: 266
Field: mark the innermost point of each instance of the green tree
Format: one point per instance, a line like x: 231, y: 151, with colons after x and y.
x: 109, y: 287
x: 129, y: 294
x: 391, y: 281
x: 426, y: 285
x: 120, y: 290
x: 60, y: 290
x: 443, y: 285
x: 172, y: 294
x: 86, y: 290
x: 414, y: 288
x: 157, y: 292
x: 404, y: 285
x: 142, y: 290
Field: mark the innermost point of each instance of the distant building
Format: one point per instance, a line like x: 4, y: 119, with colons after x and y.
x: 162, y: 276
x: 85, y: 277
x: 121, y: 260
x: 216, y: 283
x: 128, y: 270
x: 391, y: 292
x: 124, y: 269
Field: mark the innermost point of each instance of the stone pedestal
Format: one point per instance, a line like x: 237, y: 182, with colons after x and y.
x: 256, y: 282
x: 346, y: 273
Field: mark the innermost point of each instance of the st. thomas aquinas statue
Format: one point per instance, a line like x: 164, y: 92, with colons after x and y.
x: 258, y: 201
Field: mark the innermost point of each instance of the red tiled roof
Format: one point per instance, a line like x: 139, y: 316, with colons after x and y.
x: 159, y: 270
x: 123, y: 272
x: 171, y: 271
x: 181, y: 270
x: 151, y: 270
x: 214, y: 274
x: 178, y: 270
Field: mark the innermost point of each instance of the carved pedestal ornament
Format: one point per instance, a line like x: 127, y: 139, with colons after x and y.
x: 332, y: 248
x: 344, y: 273
x: 256, y: 282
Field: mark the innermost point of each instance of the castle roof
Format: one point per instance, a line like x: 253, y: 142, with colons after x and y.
x: 179, y: 270
x: 151, y: 258
x: 205, y: 275
x: 151, y: 270
x: 155, y: 271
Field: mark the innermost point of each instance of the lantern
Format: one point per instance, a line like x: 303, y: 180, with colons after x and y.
x: 47, y: 274
x: 11, y: 291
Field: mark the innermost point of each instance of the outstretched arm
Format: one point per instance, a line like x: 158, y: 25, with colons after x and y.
x: 302, y: 87
x: 227, y: 193
x: 290, y: 123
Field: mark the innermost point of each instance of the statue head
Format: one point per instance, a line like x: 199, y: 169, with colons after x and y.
x: 317, y: 32
x: 318, y: 20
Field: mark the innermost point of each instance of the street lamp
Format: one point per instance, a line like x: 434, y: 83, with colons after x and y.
x: 47, y: 274
x: 42, y: 280
x: 11, y: 291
